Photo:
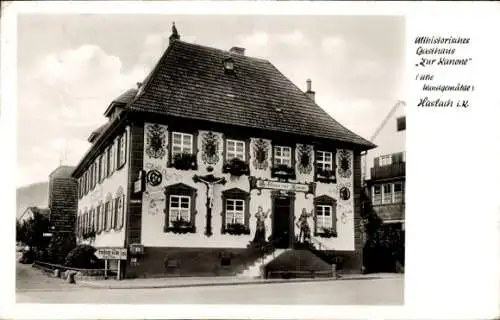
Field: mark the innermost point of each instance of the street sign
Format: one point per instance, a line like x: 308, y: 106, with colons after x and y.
x: 111, y: 253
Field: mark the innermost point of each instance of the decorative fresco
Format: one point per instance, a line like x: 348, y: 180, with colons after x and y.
x: 305, y: 159
x: 260, y: 154
x: 156, y: 138
x: 344, y: 163
x: 210, y: 147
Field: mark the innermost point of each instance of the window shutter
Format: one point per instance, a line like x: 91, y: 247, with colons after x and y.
x: 112, y: 213
x: 334, y: 218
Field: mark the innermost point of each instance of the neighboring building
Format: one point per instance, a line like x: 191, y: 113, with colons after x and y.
x: 30, y: 213
x: 63, y: 199
x: 184, y: 163
x: 387, y: 168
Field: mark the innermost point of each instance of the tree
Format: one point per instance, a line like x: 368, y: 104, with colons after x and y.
x: 32, y: 231
x: 59, y: 246
x: 384, y: 245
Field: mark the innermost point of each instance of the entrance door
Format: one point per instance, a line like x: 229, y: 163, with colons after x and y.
x: 281, y: 222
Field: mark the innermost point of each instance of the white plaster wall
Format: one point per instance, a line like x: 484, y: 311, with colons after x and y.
x: 153, y: 217
x: 111, y: 184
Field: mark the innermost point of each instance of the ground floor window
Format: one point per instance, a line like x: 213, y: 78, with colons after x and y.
x: 180, y: 209
x: 325, y: 216
x: 235, y: 212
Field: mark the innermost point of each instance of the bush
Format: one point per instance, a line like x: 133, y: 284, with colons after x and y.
x: 59, y: 247
x: 83, y: 257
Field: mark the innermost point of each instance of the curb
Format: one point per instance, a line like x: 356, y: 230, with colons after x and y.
x: 90, y: 284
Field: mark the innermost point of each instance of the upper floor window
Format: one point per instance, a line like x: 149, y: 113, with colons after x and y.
x: 282, y: 156
x: 122, y: 146
x: 101, y: 168
x: 401, y: 124
x: 385, y: 160
x: 387, y: 193
x: 235, y: 149
x: 182, y: 143
x: 112, y: 158
x: 324, y: 160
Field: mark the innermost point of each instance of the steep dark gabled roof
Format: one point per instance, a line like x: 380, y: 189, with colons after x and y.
x: 97, y: 132
x: 190, y: 81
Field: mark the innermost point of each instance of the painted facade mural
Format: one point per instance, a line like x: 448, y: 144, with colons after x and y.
x: 177, y: 200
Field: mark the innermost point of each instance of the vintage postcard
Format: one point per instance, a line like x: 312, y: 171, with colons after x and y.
x: 251, y: 160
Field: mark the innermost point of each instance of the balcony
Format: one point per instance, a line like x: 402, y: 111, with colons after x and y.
x: 390, y: 171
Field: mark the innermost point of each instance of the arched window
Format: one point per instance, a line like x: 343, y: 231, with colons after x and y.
x: 108, y: 211
x: 325, y: 216
x: 118, y: 209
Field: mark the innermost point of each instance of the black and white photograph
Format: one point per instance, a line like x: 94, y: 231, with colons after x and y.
x: 211, y: 159
x: 241, y: 159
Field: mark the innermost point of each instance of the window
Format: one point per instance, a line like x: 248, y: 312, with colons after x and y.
x: 96, y: 174
x: 323, y: 216
x: 398, y: 192
x: 181, y: 143
x: 387, y: 193
x: 235, y: 212
x: 235, y: 149
x: 104, y: 165
x: 107, y: 215
x: 385, y: 160
x: 122, y: 146
x: 99, y: 218
x: 376, y: 194
x: 112, y: 158
x: 179, y: 208
x: 118, y: 210
x: 401, y: 123
x: 181, y: 200
x: 324, y: 161
x: 282, y: 156
x: 108, y: 161
x: 101, y: 168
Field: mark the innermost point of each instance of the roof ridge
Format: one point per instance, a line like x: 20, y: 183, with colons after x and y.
x: 221, y: 50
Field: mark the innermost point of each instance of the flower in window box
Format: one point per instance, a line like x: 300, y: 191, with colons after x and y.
x: 325, y: 175
x: 181, y: 226
x: 283, y: 171
x: 327, y: 233
x: 236, y: 167
x: 237, y: 229
x: 89, y: 235
x: 184, y: 161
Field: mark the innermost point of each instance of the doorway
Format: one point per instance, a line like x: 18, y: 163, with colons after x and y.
x: 282, y: 222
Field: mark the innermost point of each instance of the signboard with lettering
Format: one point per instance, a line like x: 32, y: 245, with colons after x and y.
x: 257, y: 183
x: 111, y: 253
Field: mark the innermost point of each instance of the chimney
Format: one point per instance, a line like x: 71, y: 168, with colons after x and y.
x: 237, y: 50
x: 309, y: 91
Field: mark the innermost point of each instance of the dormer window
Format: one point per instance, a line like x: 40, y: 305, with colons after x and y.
x: 229, y: 65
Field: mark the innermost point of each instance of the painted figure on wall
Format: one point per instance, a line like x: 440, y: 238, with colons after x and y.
x: 303, y: 225
x: 260, y: 230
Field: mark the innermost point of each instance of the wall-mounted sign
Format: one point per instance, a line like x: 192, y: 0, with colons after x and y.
x: 111, y: 253
x: 135, y: 201
x: 257, y: 183
x: 139, y: 183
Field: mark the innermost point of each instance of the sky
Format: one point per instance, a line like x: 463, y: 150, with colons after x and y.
x: 70, y: 67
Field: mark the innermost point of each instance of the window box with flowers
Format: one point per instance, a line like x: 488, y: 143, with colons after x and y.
x: 236, y: 229
x: 89, y: 234
x: 184, y: 161
x: 327, y: 233
x: 236, y: 167
x: 325, y: 175
x: 181, y: 226
x: 283, y: 171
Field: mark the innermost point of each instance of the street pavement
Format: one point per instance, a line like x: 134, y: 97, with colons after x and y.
x: 35, y: 287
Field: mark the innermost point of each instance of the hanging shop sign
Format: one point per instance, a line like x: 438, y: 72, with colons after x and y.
x: 139, y: 183
x: 111, y: 253
x: 259, y: 184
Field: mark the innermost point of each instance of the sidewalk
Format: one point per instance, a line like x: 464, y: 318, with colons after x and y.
x: 179, y: 282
